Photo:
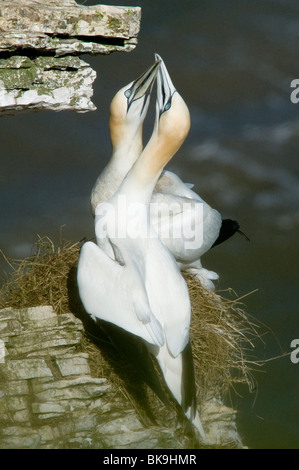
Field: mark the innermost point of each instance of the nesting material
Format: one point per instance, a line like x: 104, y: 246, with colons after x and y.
x: 223, y: 338
x: 222, y: 335
x: 42, y: 278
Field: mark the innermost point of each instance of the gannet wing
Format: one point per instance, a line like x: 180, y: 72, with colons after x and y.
x: 168, y: 295
x: 153, y: 326
x: 105, y: 245
x: 171, y: 215
x: 184, y: 224
x: 178, y: 373
x: 170, y: 183
x: 165, y: 204
x: 113, y: 293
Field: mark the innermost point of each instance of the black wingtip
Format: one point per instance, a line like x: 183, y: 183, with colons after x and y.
x: 228, y: 228
x: 188, y: 381
x: 243, y: 234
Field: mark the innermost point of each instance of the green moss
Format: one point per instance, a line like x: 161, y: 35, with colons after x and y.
x: 44, y: 89
x: 58, y: 63
x: 99, y: 15
x: 22, y: 77
x: 74, y: 101
x: 114, y: 23
x: 16, y: 62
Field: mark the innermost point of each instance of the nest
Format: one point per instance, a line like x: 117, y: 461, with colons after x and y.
x: 42, y: 278
x: 222, y: 335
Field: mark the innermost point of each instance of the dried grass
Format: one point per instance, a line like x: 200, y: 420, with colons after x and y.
x: 222, y: 334
x: 223, y: 339
x: 42, y: 278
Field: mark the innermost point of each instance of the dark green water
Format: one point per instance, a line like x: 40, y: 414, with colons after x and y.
x: 233, y: 63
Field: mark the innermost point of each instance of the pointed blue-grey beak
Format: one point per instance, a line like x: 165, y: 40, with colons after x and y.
x: 142, y: 86
x: 165, y: 87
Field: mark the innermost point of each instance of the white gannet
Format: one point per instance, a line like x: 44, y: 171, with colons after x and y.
x: 127, y: 113
x: 128, y: 109
x: 130, y: 278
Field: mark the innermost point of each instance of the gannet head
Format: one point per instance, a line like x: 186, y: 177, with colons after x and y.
x: 130, y: 104
x: 172, y: 114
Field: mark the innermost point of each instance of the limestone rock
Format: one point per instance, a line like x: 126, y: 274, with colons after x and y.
x: 219, y: 422
x: 48, y: 398
x: 39, y: 45
x: 64, y: 27
x: 26, y: 369
x: 50, y: 83
x: 73, y: 365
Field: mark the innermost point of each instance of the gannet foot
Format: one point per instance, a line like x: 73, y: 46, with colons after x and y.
x: 205, y: 277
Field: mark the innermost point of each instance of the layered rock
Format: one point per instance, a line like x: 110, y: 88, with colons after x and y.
x: 48, y: 397
x: 39, y: 45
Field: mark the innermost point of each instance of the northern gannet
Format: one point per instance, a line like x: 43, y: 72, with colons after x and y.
x: 187, y: 225
x: 129, y: 277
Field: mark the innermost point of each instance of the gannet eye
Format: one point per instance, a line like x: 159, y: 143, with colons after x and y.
x: 128, y: 93
x: 167, y: 106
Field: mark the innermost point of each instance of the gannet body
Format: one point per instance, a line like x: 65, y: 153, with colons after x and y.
x: 130, y: 278
x: 188, y: 208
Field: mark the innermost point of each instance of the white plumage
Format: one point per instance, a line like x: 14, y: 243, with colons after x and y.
x: 188, y: 209
x: 129, y: 277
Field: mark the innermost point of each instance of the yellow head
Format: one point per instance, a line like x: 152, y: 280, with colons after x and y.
x: 129, y: 107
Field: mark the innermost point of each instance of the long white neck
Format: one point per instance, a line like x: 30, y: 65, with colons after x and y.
x: 170, y: 131
x: 124, y: 155
x: 139, y: 183
x: 126, y: 152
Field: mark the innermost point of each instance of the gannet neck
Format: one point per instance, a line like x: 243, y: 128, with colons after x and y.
x: 124, y: 155
x: 168, y: 136
x: 127, y: 113
x: 126, y: 141
x: 115, y: 171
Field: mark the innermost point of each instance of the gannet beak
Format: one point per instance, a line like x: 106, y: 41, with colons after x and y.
x: 165, y: 87
x: 142, y: 86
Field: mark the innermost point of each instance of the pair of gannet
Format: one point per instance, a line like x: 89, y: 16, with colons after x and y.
x: 129, y: 277
x: 186, y: 224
